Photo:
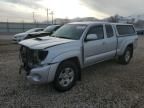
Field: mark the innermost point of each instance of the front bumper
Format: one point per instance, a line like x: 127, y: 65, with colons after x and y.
x: 16, y: 40
x: 41, y: 75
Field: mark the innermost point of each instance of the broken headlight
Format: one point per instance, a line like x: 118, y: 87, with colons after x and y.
x: 32, y: 57
x: 39, y: 56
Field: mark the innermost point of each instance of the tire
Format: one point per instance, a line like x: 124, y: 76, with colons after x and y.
x: 66, y: 76
x: 126, y: 57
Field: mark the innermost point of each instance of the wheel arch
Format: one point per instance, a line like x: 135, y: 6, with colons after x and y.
x: 131, y: 46
x: 75, y: 60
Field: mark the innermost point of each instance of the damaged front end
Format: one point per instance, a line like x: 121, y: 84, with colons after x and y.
x: 31, y: 58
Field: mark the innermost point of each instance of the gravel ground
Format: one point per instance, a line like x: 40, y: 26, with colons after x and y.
x: 105, y: 85
x: 6, y: 36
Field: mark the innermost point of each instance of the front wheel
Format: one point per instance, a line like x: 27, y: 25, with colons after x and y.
x: 126, y: 57
x: 66, y: 76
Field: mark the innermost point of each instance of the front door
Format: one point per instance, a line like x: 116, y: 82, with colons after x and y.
x: 94, y: 49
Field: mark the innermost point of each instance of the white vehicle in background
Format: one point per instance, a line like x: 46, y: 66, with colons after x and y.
x: 46, y: 32
x: 60, y: 57
x: 21, y: 36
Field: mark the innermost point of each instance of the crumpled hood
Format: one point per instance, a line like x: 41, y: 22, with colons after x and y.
x: 37, y: 33
x: 44, y: 42
x: 20, y: 34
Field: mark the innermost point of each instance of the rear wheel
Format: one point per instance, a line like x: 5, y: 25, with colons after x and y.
x: 126, y: 57
x: 66, y: 76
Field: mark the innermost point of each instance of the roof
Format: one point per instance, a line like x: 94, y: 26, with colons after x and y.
x: 96, y: 22
x: 37, y: 28
x: 54, y: 25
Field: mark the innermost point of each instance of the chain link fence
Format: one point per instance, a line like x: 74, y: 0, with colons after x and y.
x: 12, y: 27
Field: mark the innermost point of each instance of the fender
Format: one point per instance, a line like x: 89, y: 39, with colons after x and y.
x: 58, y: 59
x: 67, y: 55
x: 124, y: 45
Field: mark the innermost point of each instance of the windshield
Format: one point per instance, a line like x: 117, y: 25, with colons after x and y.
x: 50, y: 28
x: 70, y: 31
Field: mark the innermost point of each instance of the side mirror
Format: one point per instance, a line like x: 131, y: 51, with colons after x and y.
x: 91, y: 37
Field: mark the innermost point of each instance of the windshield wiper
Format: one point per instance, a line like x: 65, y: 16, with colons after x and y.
x: 61, y: 37
x: 64, y: 37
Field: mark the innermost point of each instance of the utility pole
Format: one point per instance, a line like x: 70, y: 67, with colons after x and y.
x: 48, y: 16
x: 34, y: 17
x: 52, y: 13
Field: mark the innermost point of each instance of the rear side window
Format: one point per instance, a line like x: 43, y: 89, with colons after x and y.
x: 109, y: 31
x: 98, y: 30
x: 125, y: 29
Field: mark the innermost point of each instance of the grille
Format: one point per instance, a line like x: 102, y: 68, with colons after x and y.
x: 31, y: 58
x: 26, y: 56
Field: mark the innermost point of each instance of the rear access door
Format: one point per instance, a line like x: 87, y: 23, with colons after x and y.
x: 110, y: 41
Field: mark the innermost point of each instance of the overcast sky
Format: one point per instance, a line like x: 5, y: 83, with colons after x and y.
x: 19, y: 10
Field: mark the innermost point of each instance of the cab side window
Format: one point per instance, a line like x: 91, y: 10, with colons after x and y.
x: 98, y: 30
x: 109, y: 31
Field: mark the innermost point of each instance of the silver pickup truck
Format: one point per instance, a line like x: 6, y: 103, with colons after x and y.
x: 60, y: 57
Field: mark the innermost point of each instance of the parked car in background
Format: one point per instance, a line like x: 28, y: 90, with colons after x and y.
x: 60, y: 57
x: 21, y: 36
x: 46, y: 32
x: 140, y: 32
